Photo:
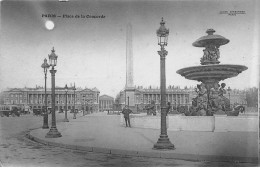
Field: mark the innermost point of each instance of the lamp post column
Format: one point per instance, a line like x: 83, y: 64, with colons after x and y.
x: 45, y: 118
x: 163, y: 54
x: 163, y: 141
x: 53, y: 133
x: 66, y: 106
x: 74, y: 112
x: 83, y: 104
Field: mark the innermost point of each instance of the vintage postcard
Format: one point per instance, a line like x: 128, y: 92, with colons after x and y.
x: 129, y: 83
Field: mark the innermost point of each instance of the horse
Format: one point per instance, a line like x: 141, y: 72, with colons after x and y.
x: 240, y: 108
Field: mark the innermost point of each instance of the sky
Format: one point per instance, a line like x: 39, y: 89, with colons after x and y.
x: 92, y: 52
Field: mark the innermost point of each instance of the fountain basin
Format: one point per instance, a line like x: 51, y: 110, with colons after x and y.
x: 216, y: 123
x: 215, y: 72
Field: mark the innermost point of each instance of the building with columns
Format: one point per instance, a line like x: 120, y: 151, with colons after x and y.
x: 106, y: 103
x: 175, y: 95
x: 87, y: 99
x: 144, y: 96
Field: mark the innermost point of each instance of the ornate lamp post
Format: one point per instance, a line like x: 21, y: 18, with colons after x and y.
x: 89, y: 105
x: 84, y: 103
x: 53, y: 133
x: 163, y: 141
x: 45, y: 67
x: 229, y: 90
x: 66, y: 94
x: 74, y: 112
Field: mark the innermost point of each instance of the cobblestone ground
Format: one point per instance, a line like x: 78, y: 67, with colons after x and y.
x: 17, y: 150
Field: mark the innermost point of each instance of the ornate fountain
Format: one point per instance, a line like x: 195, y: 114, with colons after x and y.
x: 210, y: 98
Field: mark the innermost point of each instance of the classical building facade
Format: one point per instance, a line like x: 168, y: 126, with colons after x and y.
x: 87, y: 99
x: 175, y: 95
x: 144, y: 96
x: 106, y: 103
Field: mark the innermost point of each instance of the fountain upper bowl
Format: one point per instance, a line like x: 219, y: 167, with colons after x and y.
x: 216, y: 72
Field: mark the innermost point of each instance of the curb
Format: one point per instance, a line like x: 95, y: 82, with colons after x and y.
x: 188, y: 157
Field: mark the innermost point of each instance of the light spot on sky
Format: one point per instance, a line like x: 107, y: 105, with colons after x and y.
x: 49, y: 25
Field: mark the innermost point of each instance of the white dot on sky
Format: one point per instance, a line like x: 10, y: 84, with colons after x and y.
x: 49, y: 25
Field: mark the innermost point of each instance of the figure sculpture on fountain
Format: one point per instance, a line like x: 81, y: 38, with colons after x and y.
x: 211, y: 55
x: 214, y: 98
x: 208, y: 105
x: 199, y: 104
x: 225, y: 103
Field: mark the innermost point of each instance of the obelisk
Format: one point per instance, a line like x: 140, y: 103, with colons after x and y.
x: 129, y: 87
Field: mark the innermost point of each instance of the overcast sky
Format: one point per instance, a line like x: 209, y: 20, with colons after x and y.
x: 92, y: 52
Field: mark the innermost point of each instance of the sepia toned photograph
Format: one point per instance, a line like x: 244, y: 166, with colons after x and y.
x: 129, y: 83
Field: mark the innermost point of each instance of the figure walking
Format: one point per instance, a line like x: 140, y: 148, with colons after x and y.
x: 126, y: 111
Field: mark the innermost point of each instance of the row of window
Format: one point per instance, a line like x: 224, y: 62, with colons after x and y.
x: 173, y: 101
x: 58, y: 102
x: 40, y: 102
x: 15, y: 95
x: 15, y: 102
x: 84, y: 96
x: 158, y: 97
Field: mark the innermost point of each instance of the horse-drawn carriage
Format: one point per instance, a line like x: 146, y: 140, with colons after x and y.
x: 37, y: 111
x: 72, y: 111
x: 10, y: 110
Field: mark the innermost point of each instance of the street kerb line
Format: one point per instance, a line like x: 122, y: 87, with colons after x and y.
x: 148, y: 154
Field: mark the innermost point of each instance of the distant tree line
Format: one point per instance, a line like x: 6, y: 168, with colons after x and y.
x: 252, y: 97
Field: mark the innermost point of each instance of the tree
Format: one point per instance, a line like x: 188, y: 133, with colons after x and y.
x: 252, y: 97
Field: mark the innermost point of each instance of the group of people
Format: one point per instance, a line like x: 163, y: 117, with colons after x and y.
x: 126, y: 112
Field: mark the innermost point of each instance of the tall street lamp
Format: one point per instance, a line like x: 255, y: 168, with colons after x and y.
x: 53, y: 133
x: 45, y: 67
x: 74, y: 112
x: 84, y: 103
x: 163, y: 141
x: 229, y: 89
x: 66, y: 94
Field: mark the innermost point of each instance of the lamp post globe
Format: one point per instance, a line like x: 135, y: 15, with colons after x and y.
x: 163, y: 141
x: 66, y: 96
x: 53, y: 133
x: 45, y: 67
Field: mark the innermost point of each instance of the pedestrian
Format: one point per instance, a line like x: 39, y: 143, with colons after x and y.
x: 126, y: 111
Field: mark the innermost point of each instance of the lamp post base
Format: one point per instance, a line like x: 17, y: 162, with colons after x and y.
x: 45, y: 127
x: 163, y: 143
x: 53, y: 133
x: 45, y: 122
x: 66, y: 120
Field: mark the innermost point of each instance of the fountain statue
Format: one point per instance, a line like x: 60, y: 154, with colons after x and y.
x: 210, y: 98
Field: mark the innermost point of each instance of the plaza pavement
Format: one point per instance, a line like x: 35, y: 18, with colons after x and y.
x: 99, y: 132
